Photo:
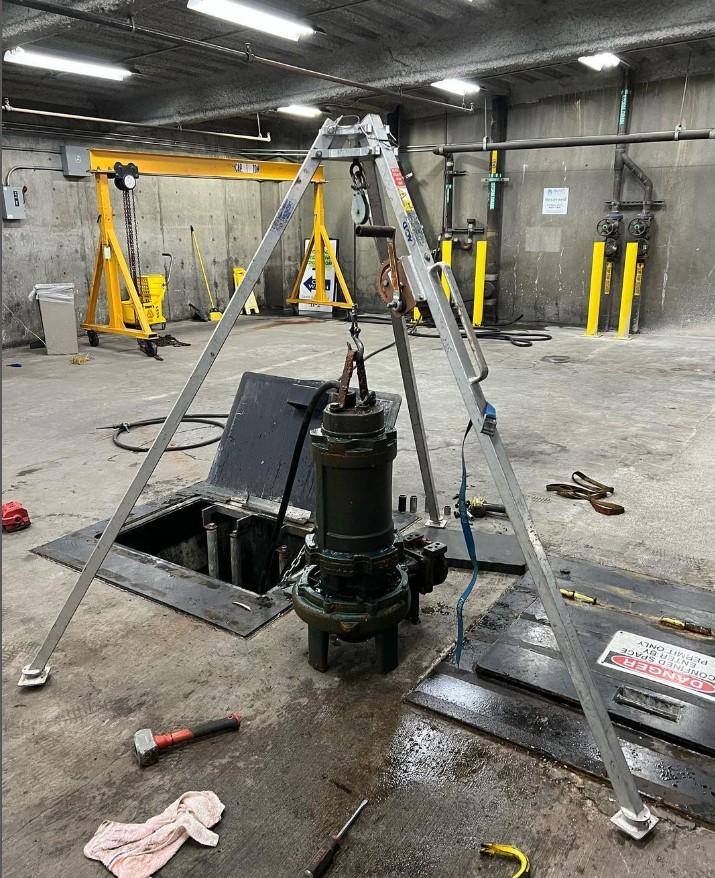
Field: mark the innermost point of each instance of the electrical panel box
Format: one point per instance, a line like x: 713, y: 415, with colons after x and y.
x: 13, y: 203
x: 75, y: 160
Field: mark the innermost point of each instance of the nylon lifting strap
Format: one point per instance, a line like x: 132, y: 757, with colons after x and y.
x: 471, y: 549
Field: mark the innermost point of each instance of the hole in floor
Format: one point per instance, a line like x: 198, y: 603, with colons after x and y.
x: 242, y: 540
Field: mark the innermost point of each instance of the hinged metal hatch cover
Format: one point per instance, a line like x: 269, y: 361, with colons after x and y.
x: 255, y: 451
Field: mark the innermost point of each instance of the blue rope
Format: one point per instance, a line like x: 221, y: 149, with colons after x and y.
x: 471, y: 549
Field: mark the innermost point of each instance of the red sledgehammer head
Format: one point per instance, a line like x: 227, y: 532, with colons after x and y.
x: 147, y: 745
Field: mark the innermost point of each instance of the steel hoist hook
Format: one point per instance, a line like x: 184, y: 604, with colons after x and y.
x: 354, y: 361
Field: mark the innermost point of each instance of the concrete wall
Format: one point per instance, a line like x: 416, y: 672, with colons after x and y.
x: 546, y: 260
x: 58, y: 239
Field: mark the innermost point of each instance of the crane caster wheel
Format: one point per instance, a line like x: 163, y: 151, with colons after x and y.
x: 93, y: 338
x: 148, y: 347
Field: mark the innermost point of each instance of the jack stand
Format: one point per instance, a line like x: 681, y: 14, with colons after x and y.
x: 368, y: 139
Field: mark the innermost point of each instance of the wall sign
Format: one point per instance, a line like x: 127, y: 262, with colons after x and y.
x: 664, y: 663
x: 555, y: 200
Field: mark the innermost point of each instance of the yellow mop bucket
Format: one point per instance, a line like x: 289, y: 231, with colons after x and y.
x: 152, y: 291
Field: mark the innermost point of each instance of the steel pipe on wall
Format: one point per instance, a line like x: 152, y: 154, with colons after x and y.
x: 580, y: 140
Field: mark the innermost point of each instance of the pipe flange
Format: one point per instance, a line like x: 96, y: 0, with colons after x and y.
x: 350, y: 619
x: 349, y: 564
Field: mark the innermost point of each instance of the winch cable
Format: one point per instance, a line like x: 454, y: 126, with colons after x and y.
x: 471, y: 549
x: 290, y: 479
x: 128, y: 426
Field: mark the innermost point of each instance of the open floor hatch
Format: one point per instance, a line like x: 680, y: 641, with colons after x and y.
x: 163, y: 551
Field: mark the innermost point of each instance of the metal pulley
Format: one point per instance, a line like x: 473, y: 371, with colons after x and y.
x: 386, y: 286
x: 359, y: 207
x: 360, y: 204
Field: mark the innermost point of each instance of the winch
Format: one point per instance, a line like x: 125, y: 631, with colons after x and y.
x: 361, y: 579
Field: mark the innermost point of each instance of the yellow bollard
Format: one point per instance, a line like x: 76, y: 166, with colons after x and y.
x: 480, y: 273
x: 629, y: 280
x: 446, y: 257
x: 594, y: 297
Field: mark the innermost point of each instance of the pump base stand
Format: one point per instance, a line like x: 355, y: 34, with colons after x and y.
x: 351, y: 619
x: 318, y: 643
x: 386, y: 649
x: 386, y: 646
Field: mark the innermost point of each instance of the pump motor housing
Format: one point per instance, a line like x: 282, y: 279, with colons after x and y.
x: 360, y: 580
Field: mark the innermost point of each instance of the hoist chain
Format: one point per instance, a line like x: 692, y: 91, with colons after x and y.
x: 130, y: 222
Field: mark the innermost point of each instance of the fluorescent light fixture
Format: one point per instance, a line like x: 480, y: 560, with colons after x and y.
x: 253, y: 18
x: 64, y: 65
x: 602, y: 61
x: 456, y: 87
x: 300, y: 110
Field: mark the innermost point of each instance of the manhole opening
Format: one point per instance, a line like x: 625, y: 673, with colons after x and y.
x: 178, y: 535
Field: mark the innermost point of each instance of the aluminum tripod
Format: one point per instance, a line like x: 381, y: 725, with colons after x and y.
x: 368, y: 141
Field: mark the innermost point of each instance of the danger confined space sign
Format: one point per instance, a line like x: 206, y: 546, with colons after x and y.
x: 670, y: 665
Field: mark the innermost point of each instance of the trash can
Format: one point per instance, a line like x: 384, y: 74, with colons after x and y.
x: 59, y: 320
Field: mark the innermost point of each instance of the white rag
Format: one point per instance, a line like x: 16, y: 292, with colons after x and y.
x: 137, y: 850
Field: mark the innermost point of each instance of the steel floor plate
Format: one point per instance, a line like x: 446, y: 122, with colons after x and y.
x: 170, y: 584
x: 513, y: 684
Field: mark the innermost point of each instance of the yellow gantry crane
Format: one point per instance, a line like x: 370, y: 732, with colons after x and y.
x: 126, y: 311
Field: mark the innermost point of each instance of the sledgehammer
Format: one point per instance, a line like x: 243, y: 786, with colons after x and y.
x: 147, y: 745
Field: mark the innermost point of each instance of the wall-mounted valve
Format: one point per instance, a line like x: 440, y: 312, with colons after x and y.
x: 640, y: 228
x: 464, y: 238
x: 610, y: 229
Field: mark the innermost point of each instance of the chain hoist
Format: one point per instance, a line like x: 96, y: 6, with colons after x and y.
x: 125, y: 179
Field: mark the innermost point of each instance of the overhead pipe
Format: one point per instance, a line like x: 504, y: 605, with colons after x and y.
x: 624, y: 114
x: 118, y: 137
x: 622, y: 159
x: 246, y: 56
x: 644, y: 179
x: 8, y: 108
x: 560, y: 142
x: 38, y: 27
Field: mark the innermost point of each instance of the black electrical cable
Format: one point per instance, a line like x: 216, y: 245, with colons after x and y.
x: 290, y: 479
x: 120, y: 429
x: 523, y: 339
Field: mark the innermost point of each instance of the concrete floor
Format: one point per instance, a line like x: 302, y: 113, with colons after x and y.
x: 637, y: 414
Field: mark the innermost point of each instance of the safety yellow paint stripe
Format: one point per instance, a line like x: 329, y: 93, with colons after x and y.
x: 594, y: 297
x: 480, y: 272
x: 446, y: 257
x: 629, y: 279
